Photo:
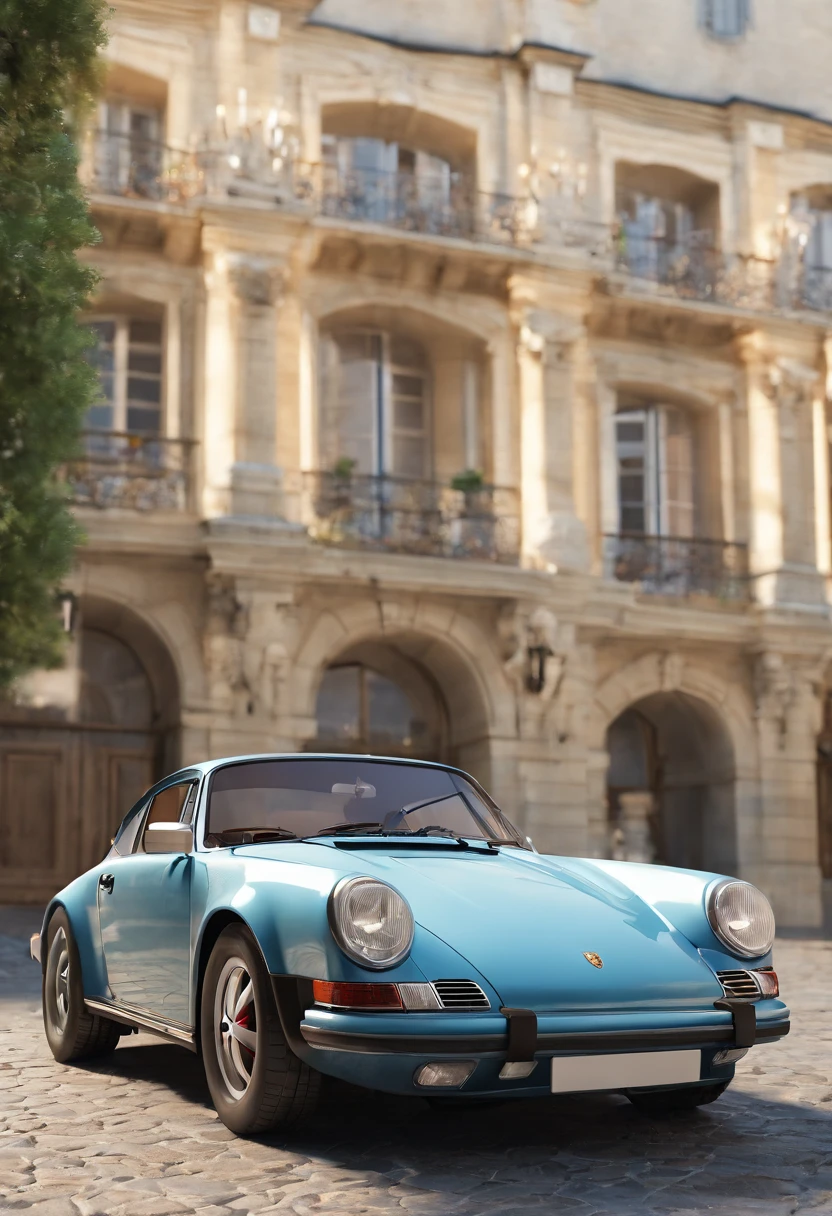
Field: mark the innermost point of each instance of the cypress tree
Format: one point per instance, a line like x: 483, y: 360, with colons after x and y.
x: 48, y: 74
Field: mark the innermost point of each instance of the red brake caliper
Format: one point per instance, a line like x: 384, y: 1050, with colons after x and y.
x: 242, y: 1020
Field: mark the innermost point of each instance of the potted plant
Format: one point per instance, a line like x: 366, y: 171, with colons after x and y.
x: 473, y: 529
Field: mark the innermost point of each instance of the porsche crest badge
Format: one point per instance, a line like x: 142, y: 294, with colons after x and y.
x: 593, y: 958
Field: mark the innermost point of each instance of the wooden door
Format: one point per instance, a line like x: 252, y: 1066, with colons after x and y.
x: 67, y: 781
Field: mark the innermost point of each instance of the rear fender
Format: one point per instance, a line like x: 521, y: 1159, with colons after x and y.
x: 80, y: 902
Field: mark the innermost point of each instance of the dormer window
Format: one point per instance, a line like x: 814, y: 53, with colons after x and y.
x: 726, y: 19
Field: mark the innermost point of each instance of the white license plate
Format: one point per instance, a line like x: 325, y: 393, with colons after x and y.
x: 577, y: 1074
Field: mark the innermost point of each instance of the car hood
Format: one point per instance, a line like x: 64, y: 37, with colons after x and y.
x: 526, y: 923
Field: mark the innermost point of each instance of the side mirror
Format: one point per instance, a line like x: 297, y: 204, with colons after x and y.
x: 169, y: 838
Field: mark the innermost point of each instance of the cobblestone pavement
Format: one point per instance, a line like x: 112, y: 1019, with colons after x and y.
x: 136, y: 1136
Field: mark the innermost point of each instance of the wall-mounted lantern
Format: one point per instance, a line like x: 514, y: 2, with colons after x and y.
x: 68, y: 606
x: 536, y: 656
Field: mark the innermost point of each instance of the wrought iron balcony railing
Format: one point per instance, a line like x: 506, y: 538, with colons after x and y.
x: 130, y: 166
x: 396, y: 515
x: 679, y: 566
x: 137, y: 472
x: 695, y: 269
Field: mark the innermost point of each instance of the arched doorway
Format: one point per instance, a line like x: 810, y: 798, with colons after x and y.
x: 670, y: 784
x: 77, y: 748
x: 376, y: 699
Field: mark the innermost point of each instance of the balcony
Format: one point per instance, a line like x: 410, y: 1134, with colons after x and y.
x: 395, y: 515
x: 694, y: 269
x: 133, y: 472
x: 679, y: 566
x: 125, y: 166
x: 128, y: 166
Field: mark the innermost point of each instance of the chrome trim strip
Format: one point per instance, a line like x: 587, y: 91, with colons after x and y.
x: 140, y: 1017
x: 34, y: 947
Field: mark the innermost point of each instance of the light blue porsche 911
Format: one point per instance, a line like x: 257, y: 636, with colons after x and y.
x: 383, y: 922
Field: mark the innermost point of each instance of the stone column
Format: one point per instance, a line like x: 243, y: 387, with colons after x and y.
x: 781, y: 423
x: 547, y: 353
x: 255, y: 475
x: 782, y: 859
x: 636, y: 808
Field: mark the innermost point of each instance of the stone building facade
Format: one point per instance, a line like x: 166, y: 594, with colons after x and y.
x: 464, y: 395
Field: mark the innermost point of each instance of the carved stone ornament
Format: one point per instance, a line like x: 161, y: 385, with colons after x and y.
x: 774, y: 691
x: 256, y: 281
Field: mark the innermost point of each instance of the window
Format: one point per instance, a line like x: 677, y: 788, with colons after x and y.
x: 726, y: 18
x: 655, y: 460
x: 655, y: 231
x: 256, y: 799
x: 128, y: 358
x: 129, y: 150
x: 167, y: 806
x: 358, y: 706
x: 374, y: 404
x: 385, y: 175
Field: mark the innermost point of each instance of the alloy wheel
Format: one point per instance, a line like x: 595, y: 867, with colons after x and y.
x: 59, y: 969
x: 235, y: 1027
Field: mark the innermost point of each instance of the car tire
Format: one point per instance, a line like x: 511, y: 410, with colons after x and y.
x: 670, y: 1101
x: 73, y: 1033
x: 256, y: 1081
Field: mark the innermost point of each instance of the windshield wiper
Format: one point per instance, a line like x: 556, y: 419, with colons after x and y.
x: 410, y: 807
x: 344, y: 829
x: 254, y: 835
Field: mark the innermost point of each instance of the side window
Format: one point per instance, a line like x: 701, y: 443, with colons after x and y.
x: 167, y: 807
x: 125, y: 837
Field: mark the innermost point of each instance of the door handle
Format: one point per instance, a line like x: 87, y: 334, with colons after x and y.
x: 106, y: 883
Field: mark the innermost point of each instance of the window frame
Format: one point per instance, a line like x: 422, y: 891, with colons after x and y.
x: 188, y: 777
x: 708, y: 19
x: 121, y: 370
x: 383, y: 428
x: 656, y: 473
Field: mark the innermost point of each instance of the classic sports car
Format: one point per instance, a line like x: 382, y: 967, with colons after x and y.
x: 383, y: 922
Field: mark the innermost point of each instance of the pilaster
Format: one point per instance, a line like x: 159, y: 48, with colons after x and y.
x: 548, y: 352
x: 782, y: 391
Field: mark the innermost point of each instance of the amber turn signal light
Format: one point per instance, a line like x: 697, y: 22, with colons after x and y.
x: 768, y: 981
x: 356, y: 996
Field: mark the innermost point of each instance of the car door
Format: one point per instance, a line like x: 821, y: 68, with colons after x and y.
x: 144, y: 909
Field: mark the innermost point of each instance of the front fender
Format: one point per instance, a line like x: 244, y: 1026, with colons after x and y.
x: 679, y: 897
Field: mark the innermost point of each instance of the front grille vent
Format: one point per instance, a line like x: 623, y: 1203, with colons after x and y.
x: 460, y: 994
x: 739, y: 984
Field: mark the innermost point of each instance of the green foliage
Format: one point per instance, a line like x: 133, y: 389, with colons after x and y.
x: 468, y: 481
x: 343, y: 467
x: 48, y: 73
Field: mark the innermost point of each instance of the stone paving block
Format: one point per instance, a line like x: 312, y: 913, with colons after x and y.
x: 378, y: 1156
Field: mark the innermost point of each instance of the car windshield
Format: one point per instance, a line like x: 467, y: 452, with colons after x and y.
x: 263, y: 800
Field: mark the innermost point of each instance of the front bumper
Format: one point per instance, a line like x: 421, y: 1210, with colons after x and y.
x: 385, y: 1051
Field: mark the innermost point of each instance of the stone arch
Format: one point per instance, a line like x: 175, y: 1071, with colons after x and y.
x: 702, y: 729
x: 165, y: 630
x: 451, y: 649
x: 130, y: 627
x: 420, y: 127
x: 478, y: 318
x: 670, y: 671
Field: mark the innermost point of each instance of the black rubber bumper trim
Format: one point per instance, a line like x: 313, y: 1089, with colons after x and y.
x: 522, y: 1035
x: 745, y: 1021
x: 615, y: 1040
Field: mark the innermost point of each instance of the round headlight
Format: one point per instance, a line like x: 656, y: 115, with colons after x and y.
x: 742, y: 918
x: 371, y: 922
